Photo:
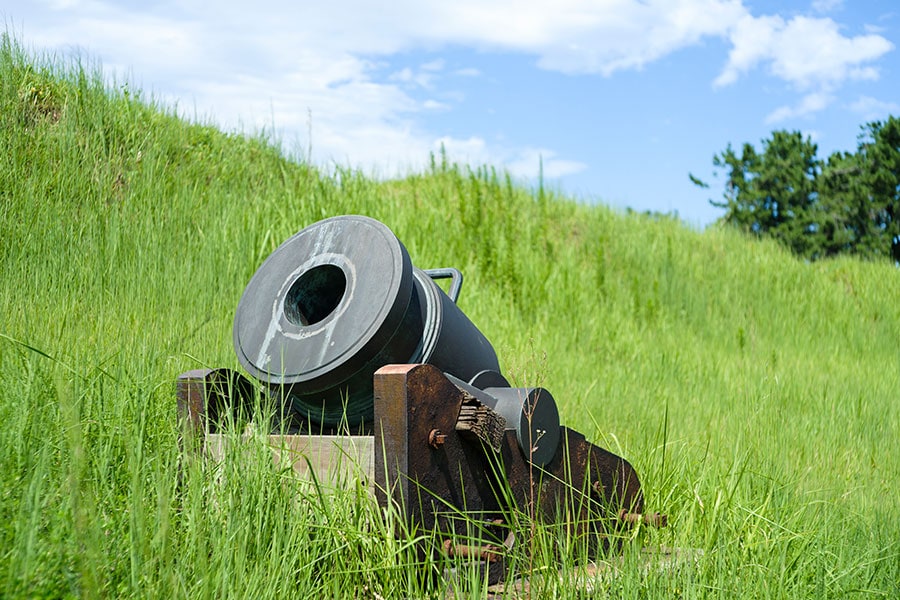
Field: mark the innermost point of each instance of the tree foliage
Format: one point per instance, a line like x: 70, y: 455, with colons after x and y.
x: 847, y: 204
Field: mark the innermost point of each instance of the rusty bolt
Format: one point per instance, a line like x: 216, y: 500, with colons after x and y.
x: 436, y: 439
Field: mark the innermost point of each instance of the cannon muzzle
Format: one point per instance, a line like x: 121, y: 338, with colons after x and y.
x: 339, y: 300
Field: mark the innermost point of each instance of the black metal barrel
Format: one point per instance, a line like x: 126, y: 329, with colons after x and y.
x: 339, y: 300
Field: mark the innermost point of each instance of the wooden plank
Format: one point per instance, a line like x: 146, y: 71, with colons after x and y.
x: 597, y: 577
x: 334, y: 460
x: 481, y: 422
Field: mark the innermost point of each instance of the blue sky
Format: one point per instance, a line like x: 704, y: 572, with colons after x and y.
x: 619, y: 99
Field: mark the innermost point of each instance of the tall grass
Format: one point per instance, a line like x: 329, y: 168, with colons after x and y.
x: 756, y: 395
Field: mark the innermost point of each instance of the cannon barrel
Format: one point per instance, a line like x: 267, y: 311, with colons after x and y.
x: 337, y: 301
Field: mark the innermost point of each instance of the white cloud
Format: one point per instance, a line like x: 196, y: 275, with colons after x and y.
x: 424, y: 77
x: 405, y: 75
x: 467, y: 72
x: 872, y: 108
x: 124, y: 40
x: 809, y: 104
x: 876, y: 29
x: 525, y: 162
x: 753, y: 40
x: 435, y: 105
x: 473, y: 149
x: 605, y: 37
x: 278, y: 62
x: 530, y: 162
x: 67, y: 4
x: 809, y: 53
x: 434, y: 65
x: 825, y: 6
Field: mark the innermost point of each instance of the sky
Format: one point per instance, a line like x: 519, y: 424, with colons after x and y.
x: 614, y: 101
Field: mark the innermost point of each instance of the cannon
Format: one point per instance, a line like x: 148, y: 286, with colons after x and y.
x: 351, y: 340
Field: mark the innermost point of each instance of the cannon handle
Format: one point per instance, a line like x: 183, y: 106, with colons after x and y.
x: 448, y: 273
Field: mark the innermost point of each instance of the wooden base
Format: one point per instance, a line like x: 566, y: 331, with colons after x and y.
x: 331, y: 460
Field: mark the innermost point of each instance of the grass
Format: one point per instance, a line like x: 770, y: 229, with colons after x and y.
x: 756, y: 395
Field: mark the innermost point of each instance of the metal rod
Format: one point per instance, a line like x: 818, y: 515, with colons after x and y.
x: 653, y: 519
x: 486, y: 553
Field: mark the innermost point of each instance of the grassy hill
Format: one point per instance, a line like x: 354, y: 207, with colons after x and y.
x: 757, y: 396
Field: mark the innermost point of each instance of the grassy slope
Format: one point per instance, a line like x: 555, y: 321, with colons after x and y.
x: 755, y: 395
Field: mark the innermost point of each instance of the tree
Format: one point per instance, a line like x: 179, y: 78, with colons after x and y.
x: 879, y: 151
x: 841, y: 195
x: 773, y: 193
x: 847, y: 204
